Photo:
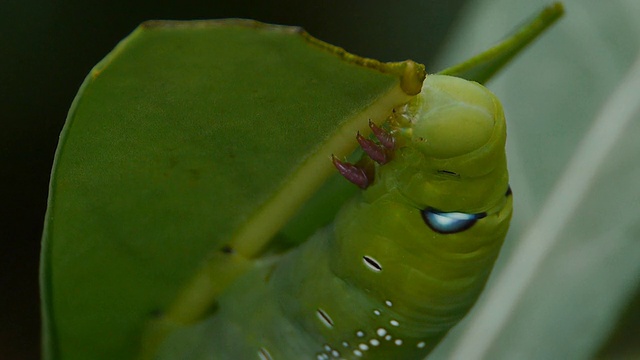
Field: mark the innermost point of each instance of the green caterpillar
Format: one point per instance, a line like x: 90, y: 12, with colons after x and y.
x: 404, y: 261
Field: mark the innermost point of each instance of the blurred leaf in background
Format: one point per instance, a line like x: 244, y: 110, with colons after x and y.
x: 571, y: 263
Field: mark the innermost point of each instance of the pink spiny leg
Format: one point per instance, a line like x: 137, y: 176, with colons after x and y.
x: 376, y: 152
x: 387, y: 140
x: 351, y: 172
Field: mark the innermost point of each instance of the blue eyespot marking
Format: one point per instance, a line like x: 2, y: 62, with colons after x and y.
x: 449, y: 222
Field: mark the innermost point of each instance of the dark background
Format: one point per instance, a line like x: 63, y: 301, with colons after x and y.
x: 46, y: 49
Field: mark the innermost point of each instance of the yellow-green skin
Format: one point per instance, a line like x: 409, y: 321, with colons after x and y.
x: 450, y: 156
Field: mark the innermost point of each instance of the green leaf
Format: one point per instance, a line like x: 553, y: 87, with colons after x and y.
x: 186, y: 138
x: 570, y: 265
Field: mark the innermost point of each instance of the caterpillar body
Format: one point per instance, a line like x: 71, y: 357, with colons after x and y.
x: 404, y: 260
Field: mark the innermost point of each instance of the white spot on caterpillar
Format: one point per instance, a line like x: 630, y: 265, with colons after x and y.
x: 357, y: 353
x: 381, y: 332
x: 320, y: 357
x: 263, y: 354
x: 325, y: 318
x: 372, y: 263
x: 398, y: 342
x: 359, y: 333
x: 388, y: 303
x: 421, y: 344
x: 327, y: 347
x: 388, y: 337
x: 335, y: 353
x: 394, y: 323
x: 377, y: 312
x: 374, y: 342
x: 345, y: 344
x: 363, y: 347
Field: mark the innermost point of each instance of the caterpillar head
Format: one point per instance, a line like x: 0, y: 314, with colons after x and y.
x: 451, y: 154
x: 454, y: 117
x: 445, y: 149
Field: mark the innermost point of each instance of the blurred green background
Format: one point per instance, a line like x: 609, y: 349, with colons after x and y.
x: 48, y: 47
